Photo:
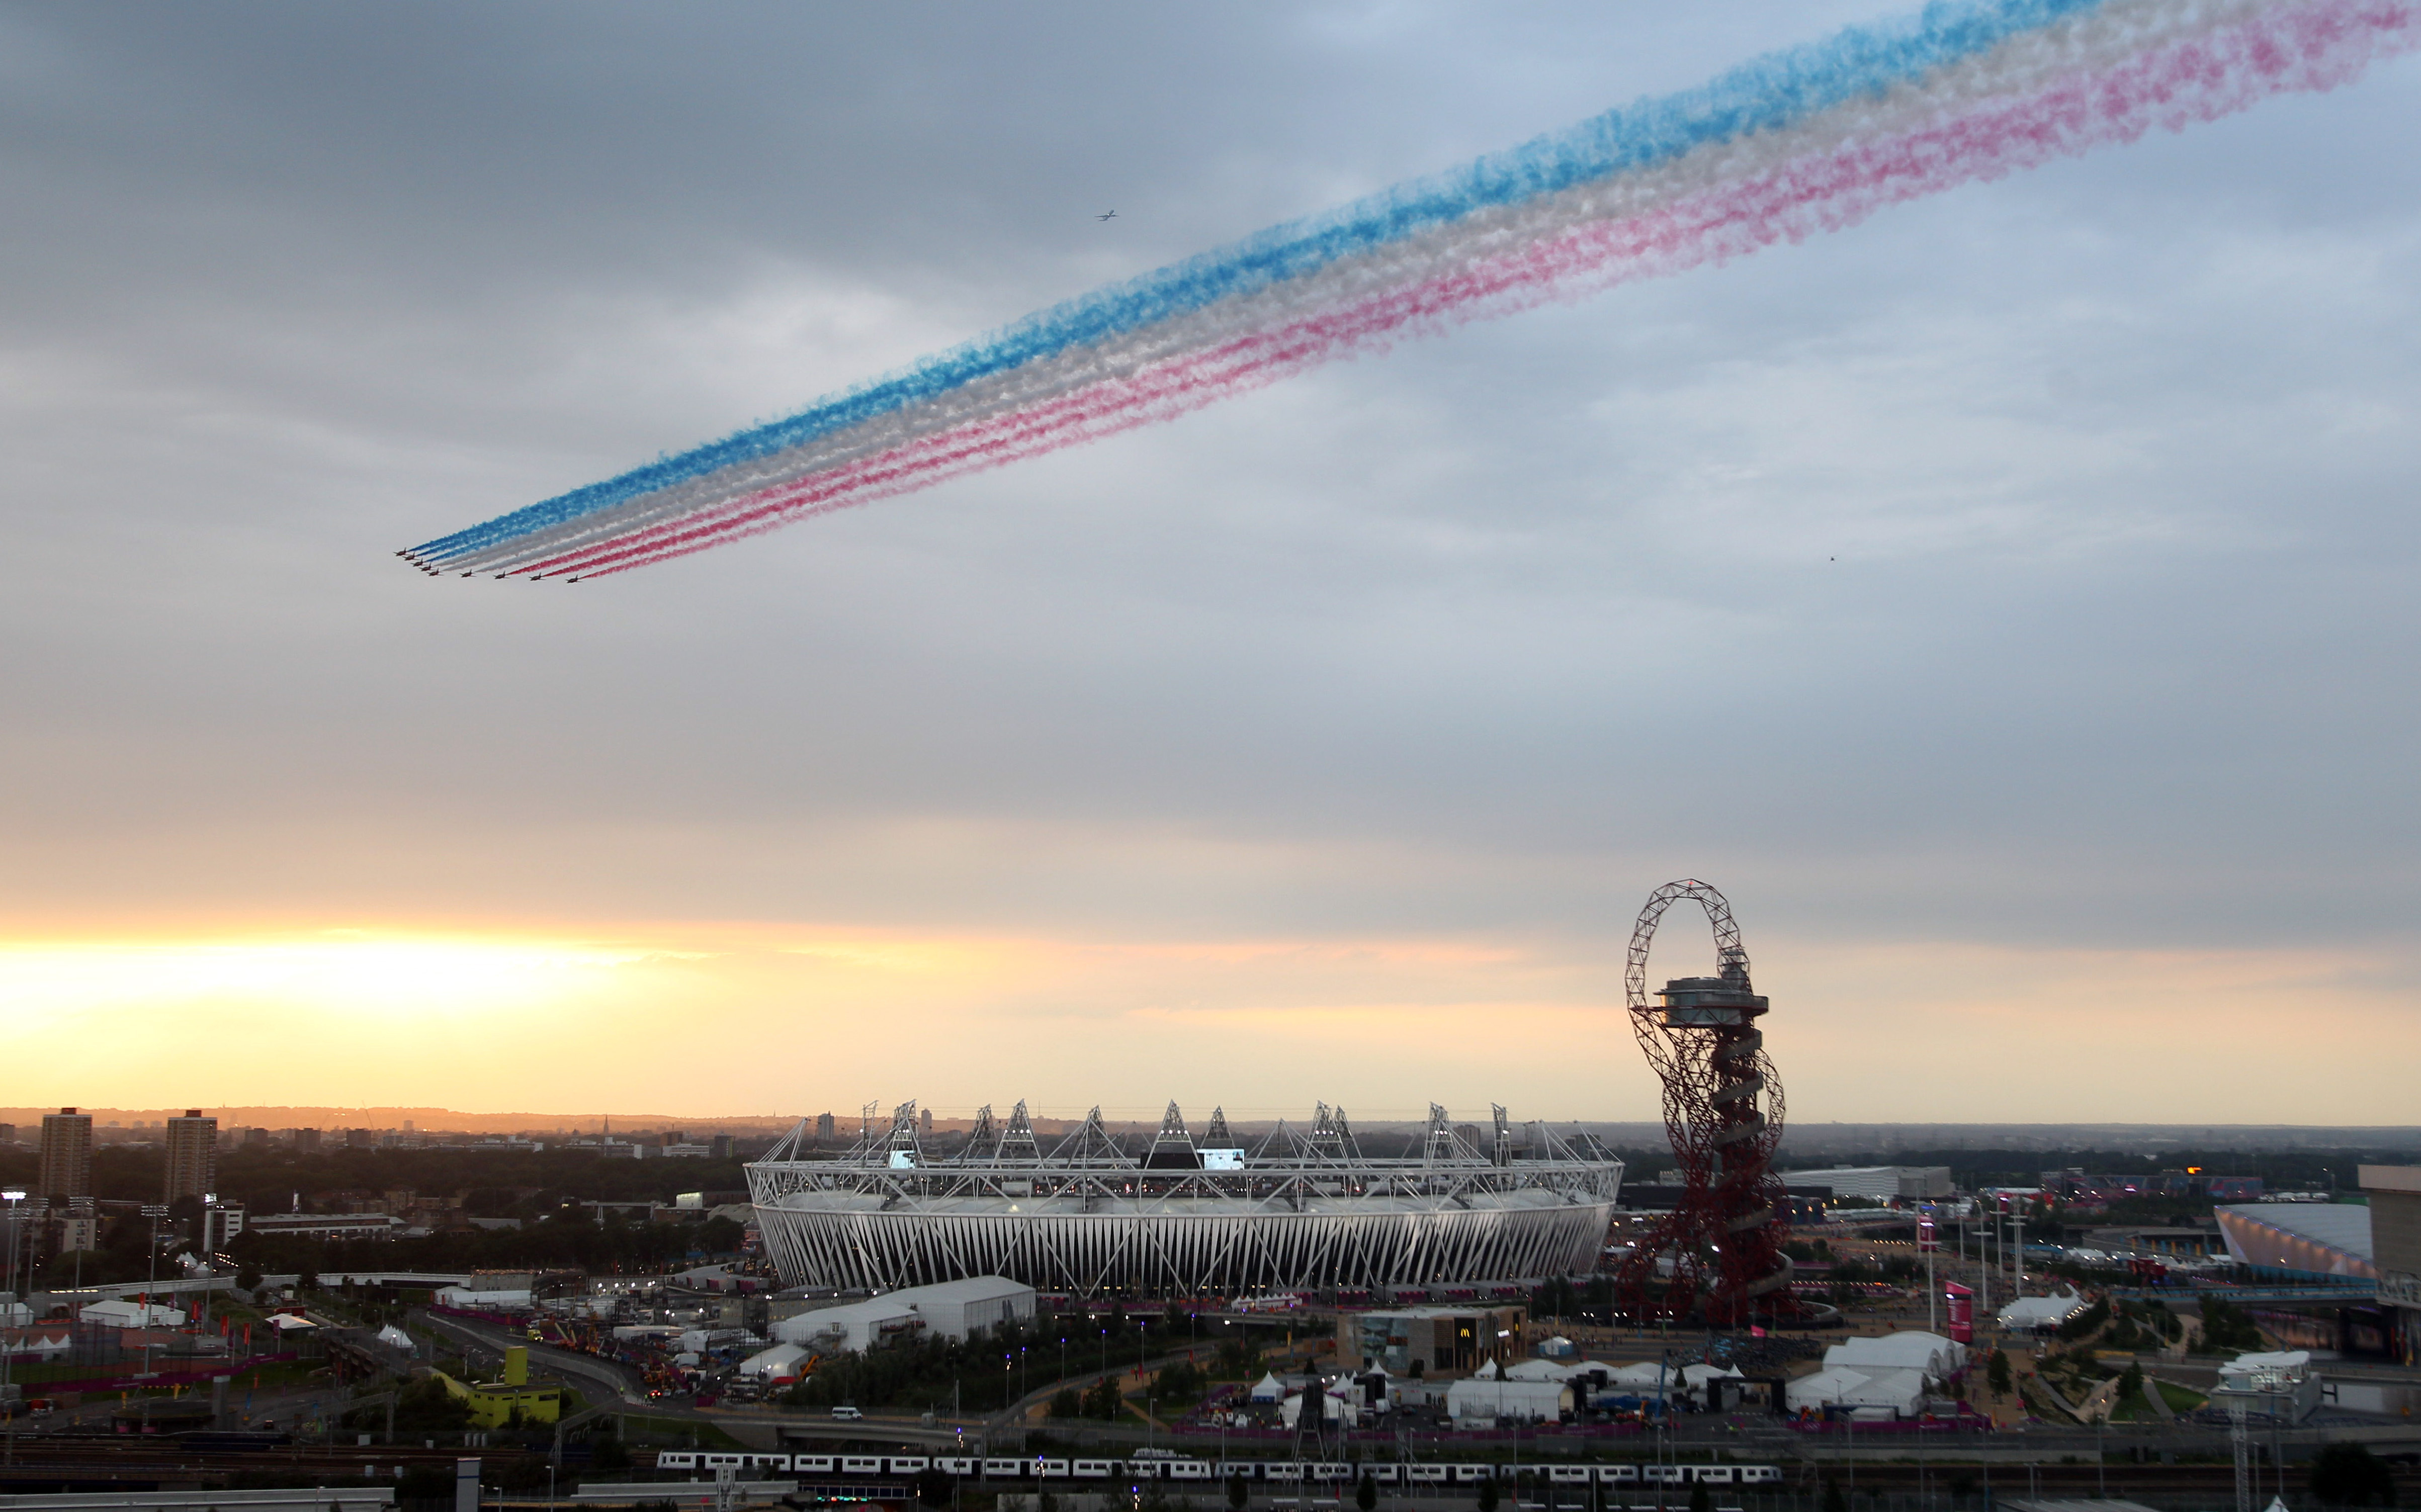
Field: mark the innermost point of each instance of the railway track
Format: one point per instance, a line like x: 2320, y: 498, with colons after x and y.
x: 109, y: 1460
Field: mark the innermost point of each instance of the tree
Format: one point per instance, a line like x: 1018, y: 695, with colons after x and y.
x: 1701, y: 1500
x: 424, y: 1483
x: 1833, y: 1500
x: 1180, y: 1384
x: 2227, y: 1328
x: 1996, y: 1373
x: 933, y: 1487
x: 423, y: 1407
x: 1366, y: 1493
x: 2131, y: 1385
x: 1488, y: 1495
x: 1103, y: 1401
x: 2087, y: 1323
x: 606, y: 1452
x: 2348, y: 1474
x: 1238, y: 1492
x: 1066, y: 1404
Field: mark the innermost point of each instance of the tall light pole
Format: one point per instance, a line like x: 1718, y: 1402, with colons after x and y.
x: 8, y: 1356
x: 210, y: 1200
x: 13, y: 1195
x: 154, y: 1211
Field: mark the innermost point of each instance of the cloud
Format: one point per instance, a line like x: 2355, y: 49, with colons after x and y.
x: 2024, y: 571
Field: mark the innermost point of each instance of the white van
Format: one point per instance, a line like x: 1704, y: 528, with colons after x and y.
x: 848, y: 1415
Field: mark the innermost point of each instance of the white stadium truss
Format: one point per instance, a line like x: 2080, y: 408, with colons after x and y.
x: 1304, y: 1211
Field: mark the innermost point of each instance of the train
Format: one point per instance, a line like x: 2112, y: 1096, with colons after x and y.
x: 1179, y: 1468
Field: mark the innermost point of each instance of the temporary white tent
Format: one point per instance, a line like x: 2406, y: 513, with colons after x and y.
x: 1291, y: 1411
x: 2043, y: 1312
x: 130, y: 1314
x: 1529, y: 1400
x: 1643, y: 1380
x: 1910, y: 1349
x: 1268, y: 1389
x: 1898, y: 1389
x: 389, y: 1334
x: 1543, y: 1370
x: 41, y: 1341
x: 1696, y: 1381
x: 1821, y: 1388
x: 780, y: 1363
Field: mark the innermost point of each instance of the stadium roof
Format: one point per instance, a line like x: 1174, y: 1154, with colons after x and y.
x: 2325, y: 1238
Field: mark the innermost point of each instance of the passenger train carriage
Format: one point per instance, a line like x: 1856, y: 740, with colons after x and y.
x: 753, y: 1465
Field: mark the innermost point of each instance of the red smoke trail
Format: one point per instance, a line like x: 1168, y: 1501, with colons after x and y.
x: 2311, y: 48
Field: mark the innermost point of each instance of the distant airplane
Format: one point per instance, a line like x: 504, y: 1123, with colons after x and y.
x: 1111, y: 216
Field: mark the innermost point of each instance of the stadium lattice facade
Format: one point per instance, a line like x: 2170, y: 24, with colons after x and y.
x: 1304, y: 1210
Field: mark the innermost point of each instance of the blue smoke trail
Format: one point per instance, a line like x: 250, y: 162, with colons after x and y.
x: 1764, y: 93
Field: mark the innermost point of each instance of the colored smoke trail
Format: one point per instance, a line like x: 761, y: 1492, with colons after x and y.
x: 1809, y: 141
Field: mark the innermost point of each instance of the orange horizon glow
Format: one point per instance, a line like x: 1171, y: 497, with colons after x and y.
x: 771, y: 1020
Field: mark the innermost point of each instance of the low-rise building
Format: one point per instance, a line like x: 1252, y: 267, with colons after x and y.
x: 1433, y: 1340
x: 1882, y: 1183
x: 2278, y: 1384
x: 495, y: 1403
x: 323, y: 1225
x: 951, y: 1309
x: 126, y: 1314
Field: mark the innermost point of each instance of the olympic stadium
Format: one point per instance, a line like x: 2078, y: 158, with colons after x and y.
x: 1304, y: 1209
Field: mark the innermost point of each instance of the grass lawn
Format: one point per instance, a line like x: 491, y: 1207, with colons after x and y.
x: 285, y: 1374
x: 676, y: 1432
x: 2180, y: 1398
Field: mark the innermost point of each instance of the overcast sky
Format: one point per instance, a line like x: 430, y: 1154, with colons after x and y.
x: 2009, y: 602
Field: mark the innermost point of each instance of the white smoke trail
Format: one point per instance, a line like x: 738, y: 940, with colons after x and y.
x: 2027, y: 63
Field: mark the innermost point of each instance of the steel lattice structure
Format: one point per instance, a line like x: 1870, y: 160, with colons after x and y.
x: 1723, y: 1110
x: 1304, y: 1211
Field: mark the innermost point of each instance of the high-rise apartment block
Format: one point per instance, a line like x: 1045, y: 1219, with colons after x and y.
x: 823, y: 1125
x: 192, y: 1156
x: 66, y: 1168
x: 305, y: 1141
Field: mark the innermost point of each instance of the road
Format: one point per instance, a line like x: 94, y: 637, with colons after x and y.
x: 606, y: 1380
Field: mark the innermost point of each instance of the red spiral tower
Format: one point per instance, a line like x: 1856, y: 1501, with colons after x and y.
x: 1723, y: 1110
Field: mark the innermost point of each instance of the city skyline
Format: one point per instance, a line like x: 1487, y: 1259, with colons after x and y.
x: 2001, y: 599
